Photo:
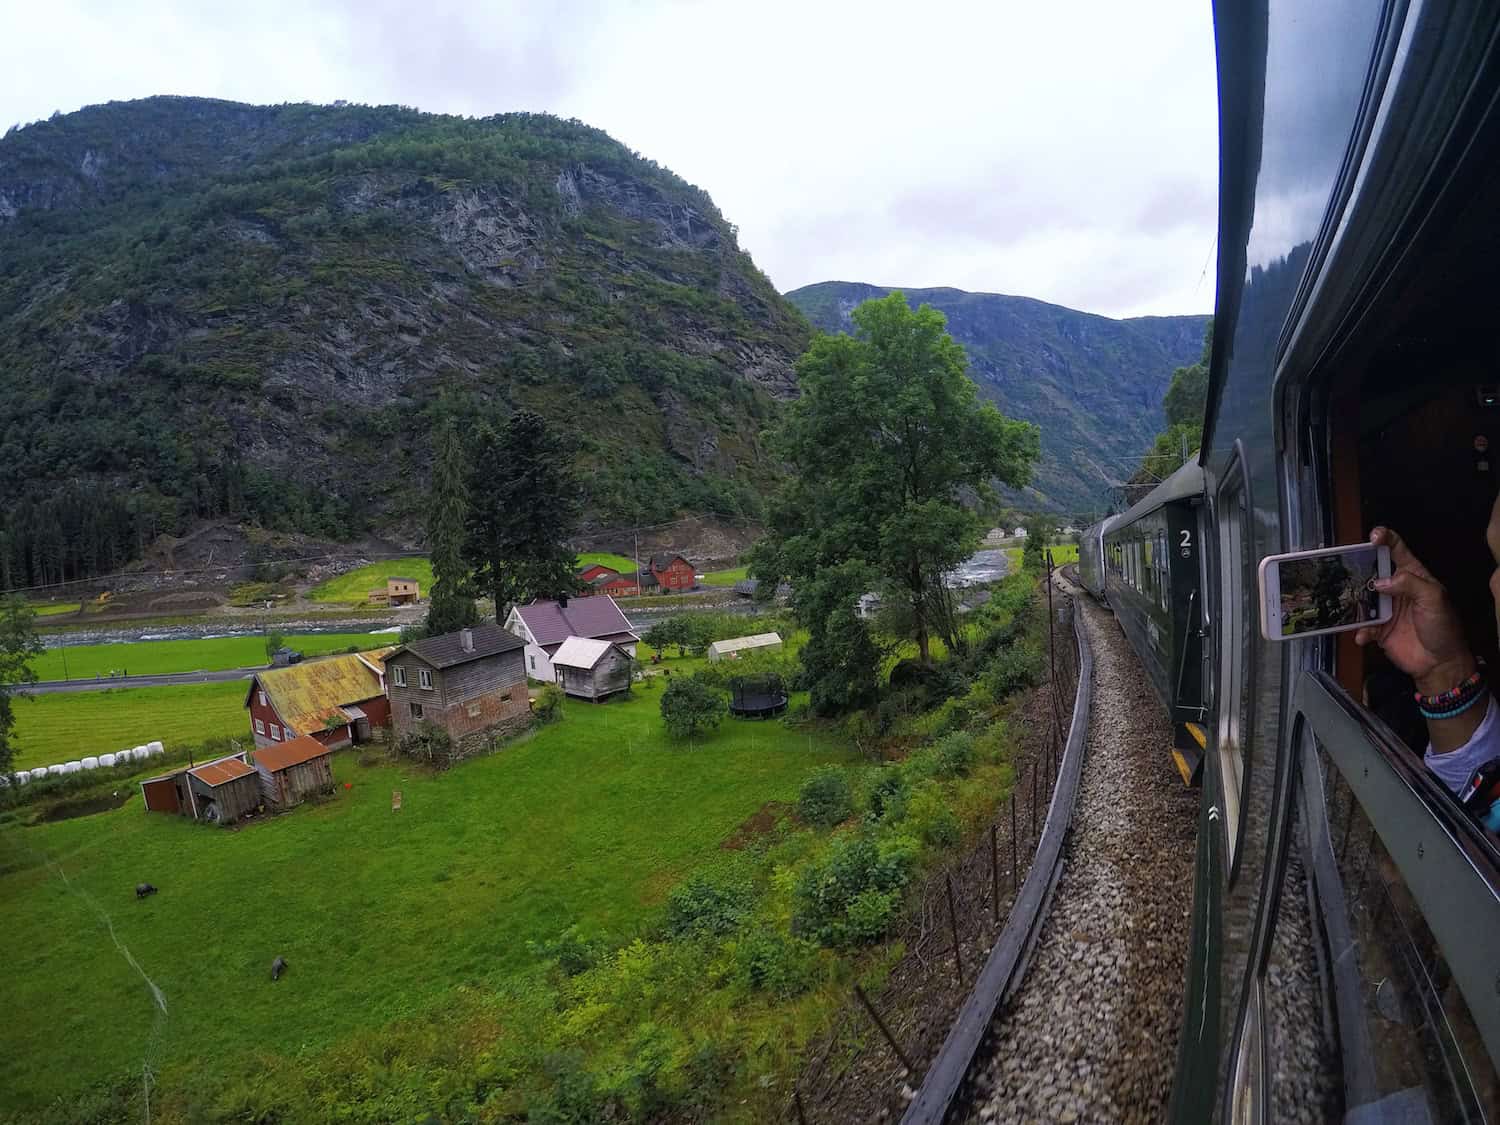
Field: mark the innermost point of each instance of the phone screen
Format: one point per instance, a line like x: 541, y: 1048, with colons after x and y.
x: 1326, y: 591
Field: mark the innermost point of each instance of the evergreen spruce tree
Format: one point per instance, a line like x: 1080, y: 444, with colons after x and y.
x: 451, y: 605
x: 18, y: 644
x: 523, y: 506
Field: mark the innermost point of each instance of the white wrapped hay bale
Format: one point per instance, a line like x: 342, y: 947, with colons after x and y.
x: 140, y: 753
x: 74, y: 766
x: 89, y: 763
x: 38, y: 773
x: 23, y: 778
x: 155, y: 748
x: 106, y: 759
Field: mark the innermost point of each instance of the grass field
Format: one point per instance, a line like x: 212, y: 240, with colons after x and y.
x: 383, y: 917
x: 151, y: 658
x: 53, y: 609
x: 69, y: 725
x: 604, y: 558
x: 354, y: 586
x: 725, y: 577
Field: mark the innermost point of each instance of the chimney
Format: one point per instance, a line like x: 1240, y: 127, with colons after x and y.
x: 466, y: 639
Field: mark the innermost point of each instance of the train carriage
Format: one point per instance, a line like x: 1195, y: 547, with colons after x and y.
x: 1346, y: 946
x: 1152, y: 580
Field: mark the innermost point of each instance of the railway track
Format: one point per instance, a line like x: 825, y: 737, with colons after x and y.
x: 1089, y: 1008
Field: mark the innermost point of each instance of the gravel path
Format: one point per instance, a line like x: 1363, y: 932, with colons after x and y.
x: 1092, y: 1034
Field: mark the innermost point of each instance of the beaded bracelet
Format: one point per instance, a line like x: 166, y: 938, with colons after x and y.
x: 1463, y: 693
x: 1453, y: 712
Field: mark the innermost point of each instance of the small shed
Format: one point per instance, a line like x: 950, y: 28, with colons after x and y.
x: 736, y: 647
x: 221, y: 791
x: 591, y: 669
x: 289, y: 772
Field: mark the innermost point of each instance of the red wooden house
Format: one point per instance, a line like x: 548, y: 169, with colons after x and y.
x: 337, y: 700
x: 668, y: 574
x: 599, y: 579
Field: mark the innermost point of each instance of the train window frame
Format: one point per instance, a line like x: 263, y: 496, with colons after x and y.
x: 1443, y: 858
x: 1233, y: 513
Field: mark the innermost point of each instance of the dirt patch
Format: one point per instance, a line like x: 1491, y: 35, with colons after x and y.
x: 88, y: 806
x: 761, y: 823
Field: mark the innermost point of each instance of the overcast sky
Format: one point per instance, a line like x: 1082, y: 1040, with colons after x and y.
x: 1061, y: 150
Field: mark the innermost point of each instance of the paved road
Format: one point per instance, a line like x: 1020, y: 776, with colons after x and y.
x: 47, y: 687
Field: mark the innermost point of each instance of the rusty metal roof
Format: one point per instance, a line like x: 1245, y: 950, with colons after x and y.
x: 222, y: 771
x: 303, y: 748
x: 308, y: 695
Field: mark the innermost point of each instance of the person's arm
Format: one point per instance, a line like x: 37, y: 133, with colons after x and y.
x: 1425, y: 640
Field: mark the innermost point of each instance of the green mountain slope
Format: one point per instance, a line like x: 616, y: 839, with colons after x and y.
x: 1094, y: 385
x: 213, y: 309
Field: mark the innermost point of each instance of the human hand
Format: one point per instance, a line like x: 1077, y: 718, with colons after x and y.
x: 1423, y: 637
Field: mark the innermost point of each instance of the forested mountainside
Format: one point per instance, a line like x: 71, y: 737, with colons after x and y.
x: 212, y: 309
x: 1094, y: 385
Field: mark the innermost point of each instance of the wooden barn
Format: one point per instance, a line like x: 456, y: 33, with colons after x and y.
x: 292, y: 771
x: 219, y: 792
x: 591, y: 669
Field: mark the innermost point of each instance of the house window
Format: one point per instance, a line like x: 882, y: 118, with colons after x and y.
x: 533, y: 664
x: 260, y: 727
x: 275, y: 733
x: 424, y: 677
x: 398, y: 675
x: 416, y: 710
x: 262, y: 698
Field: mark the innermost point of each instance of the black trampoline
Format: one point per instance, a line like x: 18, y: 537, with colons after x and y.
x: 757, y: 697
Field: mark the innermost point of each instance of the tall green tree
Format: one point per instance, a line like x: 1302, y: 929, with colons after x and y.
x: 523, y: 507
x: 887, y: 439
x: 451, y: 605
x: 18, y: 644
x: 1184, y: 404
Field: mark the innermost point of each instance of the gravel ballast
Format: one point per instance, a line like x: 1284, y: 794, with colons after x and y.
x: 1092, y: 1033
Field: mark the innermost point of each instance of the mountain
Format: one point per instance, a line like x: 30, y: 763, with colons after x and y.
x: 211, y: 309
x: 1094, y: 385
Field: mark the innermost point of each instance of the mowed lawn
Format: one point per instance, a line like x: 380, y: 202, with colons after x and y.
x: 355, y: 586
x: 379, y: 914
x: 726, y: 577
x: 151, y: 658
x: 64, y: 726
x: 604, y: 558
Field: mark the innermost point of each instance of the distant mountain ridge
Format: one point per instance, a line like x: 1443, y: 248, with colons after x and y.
x: 1093, y: 384
x: 210, y: 309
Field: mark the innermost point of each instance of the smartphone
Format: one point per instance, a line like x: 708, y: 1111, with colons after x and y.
x: 1308, y: 593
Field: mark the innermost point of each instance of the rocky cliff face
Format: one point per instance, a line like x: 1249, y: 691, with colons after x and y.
x: 208, y: 308
x: 1093, y: 384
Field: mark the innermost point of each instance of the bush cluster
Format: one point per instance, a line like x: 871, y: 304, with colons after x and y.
x: 826, y: 798
x: 852, y: 895
x: 548, y: 706
x: 705, y: 906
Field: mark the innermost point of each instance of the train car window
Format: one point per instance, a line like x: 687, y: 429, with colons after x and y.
x: 1148, y: 568
x: 1409, y: 912
x: 1163, y: 569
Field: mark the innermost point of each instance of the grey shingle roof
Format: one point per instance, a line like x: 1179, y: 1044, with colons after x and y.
x: 447, y: 650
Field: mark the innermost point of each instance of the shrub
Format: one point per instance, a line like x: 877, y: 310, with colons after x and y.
x: 928, y: 815
x: 689, y: 706
x: 826, y: 891
x: 888, y: 797
x: 870, y: 916
x: 955, y: 754
x: 572, y: 952
x: 426, y: 742
x: 549, y: 704
x: 703, y: 906
x: 826, y: 798
x: 1019, y: 666
x: 773, y: 962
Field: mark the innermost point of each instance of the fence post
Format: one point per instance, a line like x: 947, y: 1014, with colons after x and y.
x: 995, y: 873
x: 1015, y: 844
x: 885, y: 1031
x: 958, y: 960
x: 1036, y: 768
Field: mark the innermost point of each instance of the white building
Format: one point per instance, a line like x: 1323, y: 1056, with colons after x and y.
x: 736, y: 647
x: 868, y: 605
x: 545, y: 625
x: 1019, y: 533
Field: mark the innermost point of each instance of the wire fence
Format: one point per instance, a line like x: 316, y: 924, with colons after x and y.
x: 961, y: 914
